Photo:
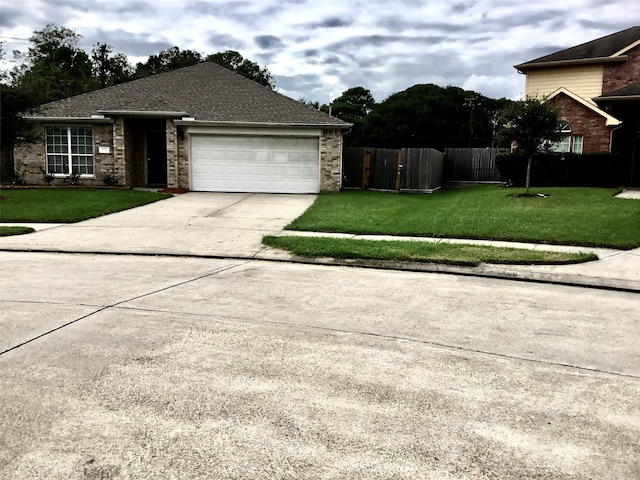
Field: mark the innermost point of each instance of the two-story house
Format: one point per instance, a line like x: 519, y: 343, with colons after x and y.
x: 596, y: 88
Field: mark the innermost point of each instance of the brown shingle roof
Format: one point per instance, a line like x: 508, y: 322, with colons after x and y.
x: 206, y: 91
x: 600, y: 48
x: 632, y: 90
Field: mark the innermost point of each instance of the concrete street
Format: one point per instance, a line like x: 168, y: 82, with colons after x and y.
x: 121, y: 366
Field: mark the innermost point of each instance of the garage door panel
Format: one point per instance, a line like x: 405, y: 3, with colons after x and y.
x: 254, y: 164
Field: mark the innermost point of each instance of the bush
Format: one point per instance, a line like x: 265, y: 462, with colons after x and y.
x: 18, y: 178
x: 110, y: 179
x: 563, y: 169
x: 73, y: 179
x: 47, y: 177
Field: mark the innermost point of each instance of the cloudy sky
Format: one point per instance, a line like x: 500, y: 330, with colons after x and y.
x: 316, y: 49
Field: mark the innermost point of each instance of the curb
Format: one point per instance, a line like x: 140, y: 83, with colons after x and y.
x: 482, y: 271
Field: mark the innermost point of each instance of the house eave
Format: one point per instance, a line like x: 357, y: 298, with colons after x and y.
x: 523, y: 67
x: 211, y: 123
x: 43, y: 119
x: 621, y: 98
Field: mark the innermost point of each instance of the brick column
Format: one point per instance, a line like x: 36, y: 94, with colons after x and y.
x: 330, y: 160
x: 172, y: 154
x: 183, y: 158
x: 119, y: 152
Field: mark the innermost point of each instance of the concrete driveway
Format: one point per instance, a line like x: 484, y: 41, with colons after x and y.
x: 195, y: 223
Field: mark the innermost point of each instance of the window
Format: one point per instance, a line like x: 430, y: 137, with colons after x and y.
x: 69, y: 150
x: 568, y: 143
x: 577, y: 144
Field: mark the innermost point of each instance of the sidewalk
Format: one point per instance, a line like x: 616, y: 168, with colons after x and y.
x: 615, y: 269
x: 233, y: 225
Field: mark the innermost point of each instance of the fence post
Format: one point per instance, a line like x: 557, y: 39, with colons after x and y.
x: 366, y: 166
x: 399, y: 169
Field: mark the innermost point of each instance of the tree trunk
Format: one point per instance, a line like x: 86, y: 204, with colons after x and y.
x: 528, y: 180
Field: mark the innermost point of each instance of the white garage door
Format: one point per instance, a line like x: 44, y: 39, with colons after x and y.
x: 236, y: 163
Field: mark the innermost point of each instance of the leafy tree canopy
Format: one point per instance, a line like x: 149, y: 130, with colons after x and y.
x: 427, y: 115
x: 533, y: 125
x: 54, y: 66
x: 167, y: 60
x: 354, y: 104
x: 45, y: 42
x: 110, y: 69
x: 233, y: 61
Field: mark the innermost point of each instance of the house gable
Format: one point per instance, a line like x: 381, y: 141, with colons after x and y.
x: 585, y: 120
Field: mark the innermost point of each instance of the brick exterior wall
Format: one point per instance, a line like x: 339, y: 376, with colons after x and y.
x: 172, y: 153
x: 119, y: 152
x: 183, y: 158
x: 618, y: 75
x: 584, y: 122
x: 104, y: 163
x: 30, y: 159
x: 330, y: 160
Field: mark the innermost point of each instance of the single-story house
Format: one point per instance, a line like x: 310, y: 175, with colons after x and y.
x: 202, y: 128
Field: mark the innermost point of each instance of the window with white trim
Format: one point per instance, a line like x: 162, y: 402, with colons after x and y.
x: 576, y: 143
x: 568, y: 143
x: 69, y: 150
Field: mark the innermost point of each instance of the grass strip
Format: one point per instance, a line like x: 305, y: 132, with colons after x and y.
x: 6, y: 231
x: 69, y: 205
x: 571, y: 216
x: 417, y: 251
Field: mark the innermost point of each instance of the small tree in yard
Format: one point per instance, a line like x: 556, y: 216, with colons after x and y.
x: 533, y: 125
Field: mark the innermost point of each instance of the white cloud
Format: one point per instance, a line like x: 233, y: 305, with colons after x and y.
x: 317, y: 49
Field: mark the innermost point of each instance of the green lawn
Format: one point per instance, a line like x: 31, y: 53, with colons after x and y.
x: 68, y: 205
x: 572, y: 216
x: 444, y: 253
x: 6, y: 231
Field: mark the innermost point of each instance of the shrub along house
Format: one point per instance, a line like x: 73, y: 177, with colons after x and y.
x: 596, y: 87
x: 202, y: 128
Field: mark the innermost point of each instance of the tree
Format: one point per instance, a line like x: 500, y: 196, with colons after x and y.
x: 13, y: 127
x: 427, y: 115
x: 46, y: 41
x: 108, y: 68
x: 310, y: 103
x: 533, y: 125
x: 167, y: 60
x: 235, y: 62
x: 54, y: 67
x: 353, y: 105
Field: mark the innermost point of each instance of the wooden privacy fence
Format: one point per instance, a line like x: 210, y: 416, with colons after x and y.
x: 471, y: 165
x: 401, y: 170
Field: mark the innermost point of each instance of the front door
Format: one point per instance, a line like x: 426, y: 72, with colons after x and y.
x: 156, y: 158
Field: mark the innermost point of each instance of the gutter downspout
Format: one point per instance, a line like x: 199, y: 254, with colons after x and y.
x: 617, y: 127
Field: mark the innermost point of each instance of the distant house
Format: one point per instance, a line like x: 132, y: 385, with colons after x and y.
x: 596, y: 86
x: 201, y: 128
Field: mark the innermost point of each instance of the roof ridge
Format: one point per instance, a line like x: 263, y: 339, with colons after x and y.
x: 607, y: 46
